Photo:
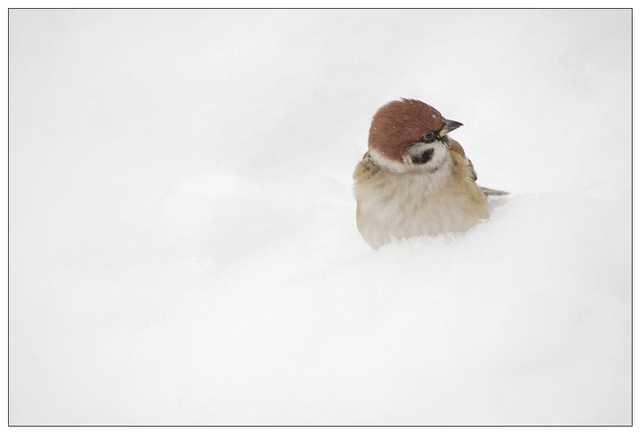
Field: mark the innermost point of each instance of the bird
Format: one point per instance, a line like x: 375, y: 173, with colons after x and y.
x: 415, y: 180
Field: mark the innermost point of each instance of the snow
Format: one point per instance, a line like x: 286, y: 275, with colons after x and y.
x: 183, y: 247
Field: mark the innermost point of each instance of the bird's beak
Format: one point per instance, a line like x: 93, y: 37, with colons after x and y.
x: 448, y: 127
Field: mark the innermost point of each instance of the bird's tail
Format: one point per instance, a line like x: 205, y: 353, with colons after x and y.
x: 492, y: 192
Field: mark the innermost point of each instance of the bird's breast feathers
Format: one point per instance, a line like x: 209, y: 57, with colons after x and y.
x: 393, y: 205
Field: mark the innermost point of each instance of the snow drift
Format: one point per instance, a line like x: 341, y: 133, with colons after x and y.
x: 183, y: 246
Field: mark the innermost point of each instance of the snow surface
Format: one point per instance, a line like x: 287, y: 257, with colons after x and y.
x: 183, y: 247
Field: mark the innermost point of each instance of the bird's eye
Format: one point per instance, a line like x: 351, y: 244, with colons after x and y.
x: 428, y: 137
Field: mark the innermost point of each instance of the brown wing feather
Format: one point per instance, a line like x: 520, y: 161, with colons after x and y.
x: 456, y: 148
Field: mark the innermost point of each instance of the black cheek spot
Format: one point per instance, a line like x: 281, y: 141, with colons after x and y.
x: 421, y: 159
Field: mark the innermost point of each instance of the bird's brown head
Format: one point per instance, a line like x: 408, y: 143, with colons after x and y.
x: 399, y: 125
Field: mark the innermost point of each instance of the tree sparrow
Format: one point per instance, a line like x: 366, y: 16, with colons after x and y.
x: 415, y: 180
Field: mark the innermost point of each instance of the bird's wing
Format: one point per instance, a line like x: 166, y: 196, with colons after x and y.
x: 365, y: 170
x: 460, y: 157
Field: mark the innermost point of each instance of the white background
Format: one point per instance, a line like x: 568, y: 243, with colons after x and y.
x: 183, y: 247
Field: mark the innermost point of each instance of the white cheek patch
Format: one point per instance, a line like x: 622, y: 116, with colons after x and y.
x: 427, y: 156
x: 439, y: 156
x: 386, y: 163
